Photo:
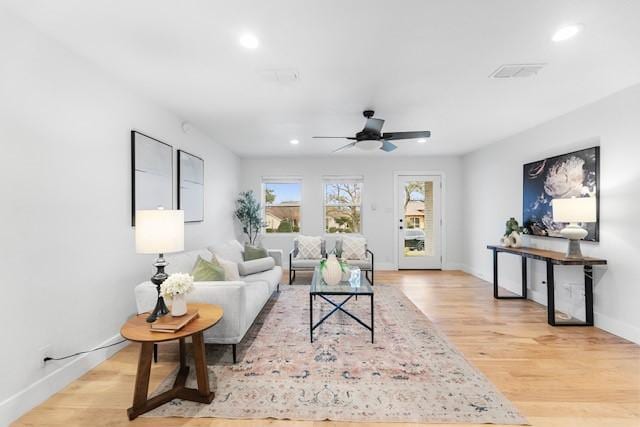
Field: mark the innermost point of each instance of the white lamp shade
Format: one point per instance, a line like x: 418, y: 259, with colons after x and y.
x: 159, y: 231
x: 576, y: 209
x: 369, y: 144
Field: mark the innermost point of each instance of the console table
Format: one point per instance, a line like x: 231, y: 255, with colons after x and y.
x: 551, y: 258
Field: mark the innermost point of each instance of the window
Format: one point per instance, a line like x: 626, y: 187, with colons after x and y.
x: 343, y: 206
x: 282, y: 201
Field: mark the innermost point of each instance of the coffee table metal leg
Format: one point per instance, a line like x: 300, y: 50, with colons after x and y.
x: 372, y: 324
x: 311, y: 316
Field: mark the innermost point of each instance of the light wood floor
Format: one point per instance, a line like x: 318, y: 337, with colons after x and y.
x: 555, y: 376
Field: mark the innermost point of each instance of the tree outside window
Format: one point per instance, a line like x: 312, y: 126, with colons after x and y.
x: 342, y: 207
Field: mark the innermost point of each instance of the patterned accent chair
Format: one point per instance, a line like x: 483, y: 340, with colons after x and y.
x: 365, y: 263
x: 305, y: 255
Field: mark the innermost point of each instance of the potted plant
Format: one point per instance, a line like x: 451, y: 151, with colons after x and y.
x: 175, y: 288
x: 249, y: 213
x: 333, y: 270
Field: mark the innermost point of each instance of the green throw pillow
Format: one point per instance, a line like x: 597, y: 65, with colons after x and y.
x: 207, y: 271
x: 254, y: 252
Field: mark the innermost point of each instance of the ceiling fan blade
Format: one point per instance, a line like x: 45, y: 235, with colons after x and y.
x: 344, y: 147
x: 390, y: 136
x: 335, y: 137
x: 387, y: 146
x: 373, y: 125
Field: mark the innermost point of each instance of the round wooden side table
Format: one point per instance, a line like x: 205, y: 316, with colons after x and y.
x: 138, y: 330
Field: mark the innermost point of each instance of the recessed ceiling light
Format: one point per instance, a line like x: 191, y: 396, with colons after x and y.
x: 294, y: 142
x: 566, y: 32
x: 422, y: 140
x: 249, y: 41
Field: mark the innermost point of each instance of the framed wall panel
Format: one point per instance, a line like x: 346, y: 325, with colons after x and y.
x: 151, y: 174
x: 191, y: 186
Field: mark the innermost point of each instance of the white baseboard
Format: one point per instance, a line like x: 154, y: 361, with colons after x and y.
x: 33, y: 395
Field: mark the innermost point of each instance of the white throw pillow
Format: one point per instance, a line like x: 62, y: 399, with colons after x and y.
x: 309, y: 247
x: 354, y: 248
x: 231, y: 250
x: 230, y: 268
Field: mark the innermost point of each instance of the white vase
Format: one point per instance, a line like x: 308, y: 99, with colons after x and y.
x: 332, y: 273
x: 516, y: 239
x: 178, y: 305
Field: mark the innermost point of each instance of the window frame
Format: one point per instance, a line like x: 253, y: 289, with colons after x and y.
x: 341, y: 179
x: 279, y: 180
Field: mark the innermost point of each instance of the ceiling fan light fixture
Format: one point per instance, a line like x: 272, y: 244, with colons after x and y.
x: 369, y: 144
x: 422, y: 140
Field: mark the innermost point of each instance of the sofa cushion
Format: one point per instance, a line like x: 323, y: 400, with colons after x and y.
x: 231, y: 251
x: 254, y: 252
x: 183, y: 262
x: 256, y: 266
x: 206, y: 271
x: 354, y: 247
x: 308, y: 247
x: 272, y: 277
x: 230, y: 268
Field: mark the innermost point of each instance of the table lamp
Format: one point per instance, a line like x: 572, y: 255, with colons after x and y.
x: 573, y: 211
x: 159, y: 232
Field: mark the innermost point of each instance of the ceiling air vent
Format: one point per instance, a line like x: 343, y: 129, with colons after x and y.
x: 509, y: 71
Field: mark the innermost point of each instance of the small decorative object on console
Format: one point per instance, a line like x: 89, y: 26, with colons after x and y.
x: 512, y: 235
x: 175, y: 288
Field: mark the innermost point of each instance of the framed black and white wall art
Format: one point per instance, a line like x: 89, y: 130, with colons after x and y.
x: 191, y: 186
x: 151, y: 174
x: 575, y: 174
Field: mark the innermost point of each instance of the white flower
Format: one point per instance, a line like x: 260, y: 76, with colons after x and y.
x: 565, y: 179
x: 177, y: 283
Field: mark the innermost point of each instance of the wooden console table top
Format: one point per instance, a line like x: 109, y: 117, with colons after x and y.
x: 558, y: 258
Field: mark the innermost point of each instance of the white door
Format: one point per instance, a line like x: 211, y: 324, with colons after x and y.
x: 419, y: 222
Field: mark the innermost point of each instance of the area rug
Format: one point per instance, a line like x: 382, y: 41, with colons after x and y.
x: 410, y: 374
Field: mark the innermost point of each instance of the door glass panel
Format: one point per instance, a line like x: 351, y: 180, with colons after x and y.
x: 418, y: 219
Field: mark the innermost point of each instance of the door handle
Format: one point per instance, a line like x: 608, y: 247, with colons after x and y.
x: 400, y: 227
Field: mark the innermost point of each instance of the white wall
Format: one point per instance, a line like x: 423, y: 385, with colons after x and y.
x: 378, y: 225
x: 66, y: 244
x: 493, y: 185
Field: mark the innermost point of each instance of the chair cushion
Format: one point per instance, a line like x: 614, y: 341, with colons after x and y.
x: 309, y: 247
x: 256, y: 266
x: 231, y: 251
x: 254, y: 252
x: 205, y: 271
x: 354, y: 247
x: 304, y: 263
x: 230, y: 268
x: 363, y: 264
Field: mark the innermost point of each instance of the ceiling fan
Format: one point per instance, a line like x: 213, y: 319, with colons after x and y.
x: 371, y: 136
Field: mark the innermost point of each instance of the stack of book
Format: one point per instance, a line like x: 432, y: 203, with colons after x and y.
x: 172, y: 324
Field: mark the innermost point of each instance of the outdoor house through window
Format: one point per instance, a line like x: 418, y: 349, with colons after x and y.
x: 282, y: 201
x: 343, y: 205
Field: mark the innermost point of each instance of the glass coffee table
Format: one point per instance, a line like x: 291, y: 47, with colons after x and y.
x: 356, y: 286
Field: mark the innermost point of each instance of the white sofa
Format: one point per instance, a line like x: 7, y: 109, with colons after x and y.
x: 242, y: 300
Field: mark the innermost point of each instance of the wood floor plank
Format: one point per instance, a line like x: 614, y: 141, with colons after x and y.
x: 582, y: 377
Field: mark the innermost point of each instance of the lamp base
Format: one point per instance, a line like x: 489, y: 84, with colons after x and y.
x: 574, y: 233
x: 157, y: 279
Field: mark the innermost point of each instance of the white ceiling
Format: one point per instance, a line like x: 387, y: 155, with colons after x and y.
x: 422, y: 65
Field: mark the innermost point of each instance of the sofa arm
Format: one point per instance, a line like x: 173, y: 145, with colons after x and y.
x: 276, y: 254
x: 230, y: 295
